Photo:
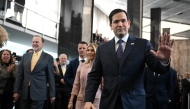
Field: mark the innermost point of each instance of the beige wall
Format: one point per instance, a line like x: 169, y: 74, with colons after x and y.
x: 180, y: 59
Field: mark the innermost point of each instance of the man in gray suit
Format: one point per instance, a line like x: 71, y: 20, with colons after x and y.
x: 34, y: 73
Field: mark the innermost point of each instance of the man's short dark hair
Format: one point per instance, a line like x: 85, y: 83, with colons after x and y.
x: 57, y: 59
x: 40, y: 37
x: 115, y: 11
x: 83, y: 42
x: 29, y: 50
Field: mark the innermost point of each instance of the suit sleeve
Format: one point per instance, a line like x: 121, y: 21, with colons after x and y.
x: 68, y: 76
x: 51, y: 77
x: 60, y: 75
x: 19, y: 76
x: 169, y: 84
x: 185, y: 83
x: 94, y: 78
x: 145, y: 76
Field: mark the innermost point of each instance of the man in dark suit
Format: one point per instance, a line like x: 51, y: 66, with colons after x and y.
x: 73, y: 65
x: 185, y: 90
x: 34, y: 73
x: 175, y: 89
x: 62, y: 90
x: 158, y: 88
x: 121, y: 62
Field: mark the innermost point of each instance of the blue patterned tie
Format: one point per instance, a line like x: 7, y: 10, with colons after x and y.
x: 120, y: 51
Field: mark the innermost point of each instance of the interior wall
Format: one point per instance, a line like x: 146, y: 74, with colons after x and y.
x: 70, y: 28
x: 101, y: 23
x: 180, y: 59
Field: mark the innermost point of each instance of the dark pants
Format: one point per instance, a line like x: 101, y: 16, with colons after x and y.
x: 31, y: 104
x: 118, y: 104
x: 6, y: 100
x: 62, y: 99
x: 153, y: 103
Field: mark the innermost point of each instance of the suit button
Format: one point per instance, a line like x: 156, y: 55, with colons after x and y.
x: 119, y: 76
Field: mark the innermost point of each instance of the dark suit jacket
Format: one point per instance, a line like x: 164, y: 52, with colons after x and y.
x: 71, y: 72
x: 127, y: 78
x: 185, y: 91
x: 160, y: 88
x: 39, y: 77
x: 59, y: 85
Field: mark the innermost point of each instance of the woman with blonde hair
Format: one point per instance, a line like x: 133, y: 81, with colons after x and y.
x: 81, y: 79
x: 3, y: 36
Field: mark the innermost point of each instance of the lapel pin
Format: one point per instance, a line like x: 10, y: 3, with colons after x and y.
x: 132, y: 43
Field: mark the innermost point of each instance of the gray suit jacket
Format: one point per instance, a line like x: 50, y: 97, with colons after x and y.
x: 39, y: 77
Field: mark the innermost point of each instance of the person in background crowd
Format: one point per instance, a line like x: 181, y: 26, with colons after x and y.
x: 81, y: 78
x: 120, y: 62
x: 34, y: 73
x: 7, y: 79
x: 105, y: 39
x: 185, y: 90
x: 73, y: 65
x: 178, y: 93
x: 172, y: 104
x: 57, y: 61
x: 62, y: 90
x: 29, y: 50
x: 180, y: 78
x: 158, y: 88
x: 2, y: 7
x: 3, y: 36
x: 18, y: 8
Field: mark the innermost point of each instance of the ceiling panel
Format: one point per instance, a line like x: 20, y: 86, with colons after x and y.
x: 183, y: 34
x: 169, y: 11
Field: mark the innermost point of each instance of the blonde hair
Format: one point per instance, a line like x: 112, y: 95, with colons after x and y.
x: 3, y: 36
x: 94, y: 46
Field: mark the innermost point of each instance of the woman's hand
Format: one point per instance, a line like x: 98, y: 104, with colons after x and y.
x: 11, y: 67
x: 70, y: 105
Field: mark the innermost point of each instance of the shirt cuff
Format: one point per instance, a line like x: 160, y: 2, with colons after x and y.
x: 165, y: 64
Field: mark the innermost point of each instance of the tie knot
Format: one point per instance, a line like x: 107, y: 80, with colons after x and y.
x: 82, y: 60
x: 36, y: 54
x: 119, y: 41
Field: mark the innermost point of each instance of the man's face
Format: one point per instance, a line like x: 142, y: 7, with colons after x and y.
x: 63, y: 59
x: 82, y: 50
x: 37, y: 44
x: 120, y: 24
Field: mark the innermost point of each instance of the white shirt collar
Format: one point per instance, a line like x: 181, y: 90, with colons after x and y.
x: 125, y: 38
x: 81, y: 59
x: 63, y: 66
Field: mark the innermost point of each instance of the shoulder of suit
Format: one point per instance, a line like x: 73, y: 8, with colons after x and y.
x: 74, y: 60
x: 27, y: 54
x: 47, y: 54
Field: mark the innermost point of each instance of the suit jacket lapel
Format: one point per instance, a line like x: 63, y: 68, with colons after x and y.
x: 112, y: 51
x: 30, y: 60
x: 129, y: 46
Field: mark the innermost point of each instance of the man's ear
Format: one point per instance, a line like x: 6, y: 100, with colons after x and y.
x: 129, y: 23
x: 111, y: 26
